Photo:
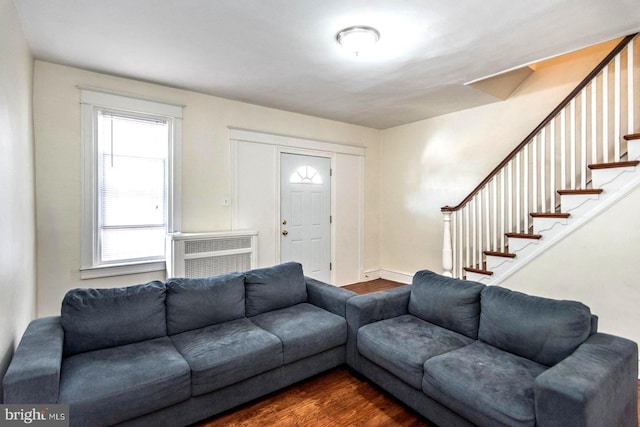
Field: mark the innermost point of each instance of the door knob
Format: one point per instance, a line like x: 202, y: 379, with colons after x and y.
x: 285, y: 232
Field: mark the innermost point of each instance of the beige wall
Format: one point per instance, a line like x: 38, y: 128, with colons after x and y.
x: 597, y: 265
x: 17, y: 210
x: 206, y: 168
x: 437, y: 162
x: 410, y: 171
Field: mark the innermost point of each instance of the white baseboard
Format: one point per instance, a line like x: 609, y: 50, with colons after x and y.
x: 370, y: 275
x: 395, y: 276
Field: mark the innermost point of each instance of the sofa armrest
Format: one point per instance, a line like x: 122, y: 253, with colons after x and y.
x: 595, y: 386
x: 328, y: 297
x: 33, y: 375
x: 369, y: 308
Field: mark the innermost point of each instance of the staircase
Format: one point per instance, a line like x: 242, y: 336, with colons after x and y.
x: 579, y: 161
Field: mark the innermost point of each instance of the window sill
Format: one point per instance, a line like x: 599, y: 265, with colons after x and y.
x: 121, y: 269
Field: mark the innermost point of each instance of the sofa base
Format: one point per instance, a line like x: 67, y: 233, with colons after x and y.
x: 201, y: 407
x: 411, y: 397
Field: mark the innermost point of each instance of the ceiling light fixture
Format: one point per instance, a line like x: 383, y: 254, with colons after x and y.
x: 358, y: 38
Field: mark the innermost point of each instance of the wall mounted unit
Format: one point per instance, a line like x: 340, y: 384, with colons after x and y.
x: 209, y: 254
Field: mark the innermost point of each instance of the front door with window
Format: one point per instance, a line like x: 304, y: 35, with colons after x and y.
x: 305, y: 213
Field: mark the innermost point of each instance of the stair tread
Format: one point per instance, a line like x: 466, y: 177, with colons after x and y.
x: 477, y: 270
x: 632, y: 136
x: 500, y: 254
x: 549, y: 215
x: 524, y: 235
x: 614, y: 165
x: 586, y: 191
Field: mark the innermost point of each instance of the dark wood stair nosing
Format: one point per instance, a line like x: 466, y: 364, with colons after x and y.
x: 524, y: 236
x: 585, y: 191
x: 500, y: 254
x: 477, y: 270
x: 632, y: 136
x: 549, y: 215
x: 614, y: 165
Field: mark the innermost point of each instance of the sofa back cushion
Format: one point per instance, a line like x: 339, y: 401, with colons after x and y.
x: 93, y: 319
x: 450, y: 303
x: 196, y: 303
x: 275, y: 287
x: 540, y: 329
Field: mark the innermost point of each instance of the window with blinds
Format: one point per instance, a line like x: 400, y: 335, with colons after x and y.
x: 132, y: 184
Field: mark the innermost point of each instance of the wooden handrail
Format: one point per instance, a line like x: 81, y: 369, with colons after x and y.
x: 616, y: 50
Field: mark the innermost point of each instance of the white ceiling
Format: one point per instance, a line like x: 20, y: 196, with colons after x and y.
x: 283, y: 53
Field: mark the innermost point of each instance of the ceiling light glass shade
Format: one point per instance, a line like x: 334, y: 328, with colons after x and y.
x: 358, y: 39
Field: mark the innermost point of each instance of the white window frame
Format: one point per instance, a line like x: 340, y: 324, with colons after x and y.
x: 92, y: 100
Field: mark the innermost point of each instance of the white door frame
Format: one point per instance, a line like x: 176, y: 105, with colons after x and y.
x: 293, y: 145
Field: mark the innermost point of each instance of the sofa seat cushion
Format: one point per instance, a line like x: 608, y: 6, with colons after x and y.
x: 223, y: 354
x: 484, y: 384
x: 108, y: 386
x: 304, y: 330
x: 402, y: 344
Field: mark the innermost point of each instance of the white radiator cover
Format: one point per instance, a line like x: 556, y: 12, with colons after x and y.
x: 197, y: 255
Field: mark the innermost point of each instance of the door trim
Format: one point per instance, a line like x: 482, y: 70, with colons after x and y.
x: 239, y: 134
x: 296, y: 145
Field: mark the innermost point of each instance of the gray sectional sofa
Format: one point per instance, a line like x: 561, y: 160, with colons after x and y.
x: 464, y: 354
x: 459, y: 353
x: 170, y: 354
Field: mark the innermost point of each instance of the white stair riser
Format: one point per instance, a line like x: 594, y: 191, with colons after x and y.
x: 633, y: 149
x: 476, y: 277
x: 578, y: 204
x: 521, y: 247
x: 547, y: 225
x: 612, y: 179
x: 497, y: 263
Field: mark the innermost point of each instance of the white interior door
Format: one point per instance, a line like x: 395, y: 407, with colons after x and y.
x: 305, y: 213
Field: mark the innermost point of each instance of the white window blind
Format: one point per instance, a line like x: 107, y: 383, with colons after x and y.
x: 132, y: 183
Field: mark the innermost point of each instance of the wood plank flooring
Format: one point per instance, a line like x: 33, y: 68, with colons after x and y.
x: 333, y: 399
x: 372, y: 286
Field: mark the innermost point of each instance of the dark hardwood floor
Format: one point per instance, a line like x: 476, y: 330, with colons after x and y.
x: 332, y: 399
x: 372, y: 286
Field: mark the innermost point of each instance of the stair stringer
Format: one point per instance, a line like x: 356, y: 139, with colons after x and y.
x: 625, y: 183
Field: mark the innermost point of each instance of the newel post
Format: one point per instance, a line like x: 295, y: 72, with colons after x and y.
x: 447, y: 250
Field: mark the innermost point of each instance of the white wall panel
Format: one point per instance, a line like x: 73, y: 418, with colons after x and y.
x: 255, y: 197
x: 347, y: 231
